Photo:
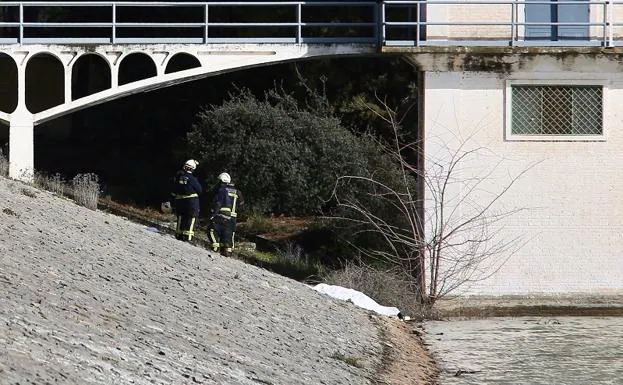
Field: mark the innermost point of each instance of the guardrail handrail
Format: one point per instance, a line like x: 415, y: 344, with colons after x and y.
x: 389, y: 22
x: 601, y: 16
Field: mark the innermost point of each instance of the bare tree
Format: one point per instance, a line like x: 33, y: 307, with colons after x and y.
x: 436, y: 224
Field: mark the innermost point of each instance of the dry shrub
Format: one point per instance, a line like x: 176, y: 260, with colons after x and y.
x: 86, y: 190
x: 4, y: 165
x: 53, y: 183
x: 292, y: 254
x: 385, y: 287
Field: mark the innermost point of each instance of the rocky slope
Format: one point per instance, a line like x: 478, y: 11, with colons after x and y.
x: 92, y: 298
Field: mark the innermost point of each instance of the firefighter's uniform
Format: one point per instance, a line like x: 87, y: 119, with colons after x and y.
x: 185, y: 192
x: 224, y: 214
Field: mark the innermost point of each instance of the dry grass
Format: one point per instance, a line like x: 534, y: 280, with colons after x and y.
x: 53, y: 183
x: 86, y: 190
x: 146, y: 213
x: 385, y: 287
x: 4, y: 165
x: 256, y: 224
x: 275, y: 228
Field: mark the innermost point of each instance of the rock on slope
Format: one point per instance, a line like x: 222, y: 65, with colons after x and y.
x: 91, y: 298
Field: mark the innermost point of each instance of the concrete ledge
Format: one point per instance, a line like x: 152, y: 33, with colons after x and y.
x: 571, y: 304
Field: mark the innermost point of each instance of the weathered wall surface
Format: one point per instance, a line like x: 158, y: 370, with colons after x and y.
x: 572, y: 212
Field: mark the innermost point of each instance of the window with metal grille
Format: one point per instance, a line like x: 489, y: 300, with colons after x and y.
x: 557, y: 110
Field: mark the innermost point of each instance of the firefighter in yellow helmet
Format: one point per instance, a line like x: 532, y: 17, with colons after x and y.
x: 185, y: 191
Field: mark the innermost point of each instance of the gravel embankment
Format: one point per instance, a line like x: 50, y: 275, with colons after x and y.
x: 92, y: 298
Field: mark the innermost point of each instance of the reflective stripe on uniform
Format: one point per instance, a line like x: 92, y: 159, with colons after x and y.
x: 190, y: 232
x: 179, y: 196
x: 233, y: 206
x: 215, y: 244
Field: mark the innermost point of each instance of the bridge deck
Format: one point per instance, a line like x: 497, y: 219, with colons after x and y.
x: 385, y: 23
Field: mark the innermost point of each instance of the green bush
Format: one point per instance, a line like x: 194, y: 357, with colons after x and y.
x: 284, y: 157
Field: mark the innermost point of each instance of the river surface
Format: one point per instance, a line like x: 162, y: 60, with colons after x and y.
x: 528, y: 350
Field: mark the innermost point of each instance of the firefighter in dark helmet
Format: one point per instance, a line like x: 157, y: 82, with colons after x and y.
x: 185, y: 191
x: 225, y: 202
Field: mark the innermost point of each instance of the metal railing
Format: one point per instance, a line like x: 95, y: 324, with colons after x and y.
x: 188, y: 22
x: 391, y: 22
x: 504, y: 23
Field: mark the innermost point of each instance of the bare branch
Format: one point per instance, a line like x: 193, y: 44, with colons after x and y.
x: 463, y: 241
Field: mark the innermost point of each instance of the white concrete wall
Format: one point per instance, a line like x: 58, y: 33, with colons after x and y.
x: 572, y: 200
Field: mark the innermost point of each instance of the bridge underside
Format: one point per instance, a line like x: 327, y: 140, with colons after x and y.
x: 80, y: 77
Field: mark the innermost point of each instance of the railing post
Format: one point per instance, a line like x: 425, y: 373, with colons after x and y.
x: 299, y: 20
x: 418, y: 32
x: 608, y: 27
x: 205, y: 21
x: 410, y: 19
x: 21, y: 23
x: 381, y: 23
x: 377, y: 29
x: 114, y: 23
x: 514, y: 32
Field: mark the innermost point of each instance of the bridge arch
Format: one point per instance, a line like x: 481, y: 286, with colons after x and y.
x: 181, y: 61
x: 8, y: 83
x: 135, y: 66
x: 44, y: 70
x: 91, y: 73
x: 149, y: 68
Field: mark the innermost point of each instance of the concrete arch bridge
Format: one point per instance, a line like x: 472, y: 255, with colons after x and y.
x: 122, y: 70
x: 84, y: 53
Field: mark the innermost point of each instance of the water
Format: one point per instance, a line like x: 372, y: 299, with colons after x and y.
x: 528, y: 350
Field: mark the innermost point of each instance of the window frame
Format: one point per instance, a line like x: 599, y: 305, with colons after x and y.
x: 508, y: 117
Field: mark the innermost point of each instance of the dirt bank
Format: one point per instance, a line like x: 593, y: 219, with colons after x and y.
x: 92, y: 298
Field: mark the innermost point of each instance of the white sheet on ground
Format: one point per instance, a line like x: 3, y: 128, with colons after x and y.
x: 356, y: 297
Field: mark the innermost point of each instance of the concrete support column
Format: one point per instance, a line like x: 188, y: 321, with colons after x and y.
x: 21, y: 134
x: 67, y: 83
x: 21, y: 145
x: 113, y: 57
x: 160, y: 57
x: 114, y: 76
